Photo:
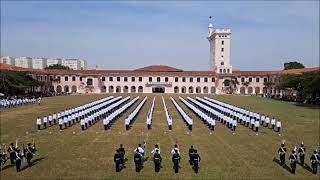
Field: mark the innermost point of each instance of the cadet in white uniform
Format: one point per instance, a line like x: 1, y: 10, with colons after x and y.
x: 45, y: 121
x: 234, y: 125
x: 257, y: 124
x: 105, y: 123
x: 267, y: 121
x: 262, y: 120
x: 50, y: 119
x: 54, y: 117
x: 273, y: 122
x: 252, y: 123
x: 174, y: 149
x: 39, y: 123
x: 60, y: 123
x: 278, y: 125
x: 82, y: 123
x: 65, y: 121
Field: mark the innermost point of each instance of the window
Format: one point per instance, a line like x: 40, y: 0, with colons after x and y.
x: 222, y: 56
x: 166, y: 79
x: 80, y: 78
x: 158, y: 79
x: 89, y: 82
x: 183, y: 79
x: 150, y: 79
x: 59, y: 78
x: 242, y: 79
x: 224, y: 70
x: 125, y: 79
x: 110, y: 79
x: 213, y: 80
x: 250, y: 79
x: 220, y: 70
x: 140, y: 79
x: 176, y: 79
x: 103, y: 78
x: 222, y: 49
x: 222, y: 42
x: 265, y: 79
x: 228, y: 70
x: 198, y: 79
x: 257, y: 79
x: 205, y: 79
x: 66, y: 78
x: 191, y: 79
x: 118, y: 79
x: 133, y: 79
x: 222, y: 63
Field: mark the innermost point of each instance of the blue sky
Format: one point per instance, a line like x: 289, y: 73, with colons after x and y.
x: 128, y: 34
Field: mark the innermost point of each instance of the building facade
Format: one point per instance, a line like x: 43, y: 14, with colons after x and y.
x: 219, y: 79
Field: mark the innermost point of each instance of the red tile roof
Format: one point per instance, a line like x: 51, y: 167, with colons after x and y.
x: 155, y: 70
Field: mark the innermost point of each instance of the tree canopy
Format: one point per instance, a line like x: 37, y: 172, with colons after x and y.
x: 15, y: 82
x: 293, y: 65
x: 57, y: 66
x: 307, y: 84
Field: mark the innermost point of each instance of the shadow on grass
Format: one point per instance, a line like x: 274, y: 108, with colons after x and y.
x: 7, y: 167
x: 307, y: 167
x: 285, y: 166
x: 34, y: 162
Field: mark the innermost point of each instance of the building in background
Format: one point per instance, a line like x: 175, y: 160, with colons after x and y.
x: 25, y: 62
x: 7, y: 60
x: 39, y: 63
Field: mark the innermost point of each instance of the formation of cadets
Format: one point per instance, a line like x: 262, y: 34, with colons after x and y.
x: 17, y: 155
x: 14, y: 101
x: 298, y: 156
x: 140, y: 156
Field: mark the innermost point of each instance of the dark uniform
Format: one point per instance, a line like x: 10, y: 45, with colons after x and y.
x: 157, y: 161
x: 314, y: 162
x: 138, y: 161
x: 12, y: 153
x: 196, y: 159
x: 301, y: 153
x: 122, y: 153
x: 191, y: 151
x: 282, y: 153
x: 29, y: 152
x: 19, y: 157
x: 293, y: 162
x: 176, y: 160
x: 117, y: 160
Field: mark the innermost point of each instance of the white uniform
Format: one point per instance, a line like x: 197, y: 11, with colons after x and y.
x: 173, y: 150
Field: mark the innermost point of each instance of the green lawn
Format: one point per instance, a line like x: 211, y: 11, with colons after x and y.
x: 72, y: 154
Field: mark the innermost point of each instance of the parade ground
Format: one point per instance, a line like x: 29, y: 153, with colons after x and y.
x: 76, y: 154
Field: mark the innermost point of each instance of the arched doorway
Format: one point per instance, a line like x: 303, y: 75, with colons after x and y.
x: 133, y: 89
x: 103, y: 89
x: 190, y: 89
x: 183, y: 89
x: 198, y: 89
x: 66, y: 89
x: 242, y: 90
x: 213, y: 90
x: 257, y: 90
x: 264, y: 90
x: 125, y: 89
x: 205, y: 89
x: 158, y: 89
x: 118, y: 89
x: 176, y: 89
x: 111, y: 89
x: 250, y: 90
x: 74, y: 89
x: 140, y: 89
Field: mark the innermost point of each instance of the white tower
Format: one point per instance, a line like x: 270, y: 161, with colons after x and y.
x: 219, y: 40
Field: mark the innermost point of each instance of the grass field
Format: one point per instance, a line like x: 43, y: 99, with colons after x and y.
x: 72, y: 154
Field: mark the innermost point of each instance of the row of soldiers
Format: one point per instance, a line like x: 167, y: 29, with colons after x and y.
x: 299, y: 153
x: 231, y: 115
x: 140, y: 156
x: 13, y: 102
x: 17, y: 155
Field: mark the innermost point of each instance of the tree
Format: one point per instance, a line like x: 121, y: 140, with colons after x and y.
x: 57, y: 66
x: 16, y: 82
x: 231, y: 85
x: 293, y: 65
x: 246, y: 84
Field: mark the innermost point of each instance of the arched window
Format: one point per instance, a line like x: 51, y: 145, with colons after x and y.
x: 126, y: 89
x: 198, y: 89
x: 222, y: 63
x: 250, y: 90
x: 257, y: 90
x: 190, y: 89
x: 118, y: 89
x: 205, y: 89
x: 242, y: 90
x: 74, y: 89
x: 140, y: 89
x: 59, y: 89
x: 66, y: 88
x: 213, y: 90
x: 183, y: 89
x: 103, y: 89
